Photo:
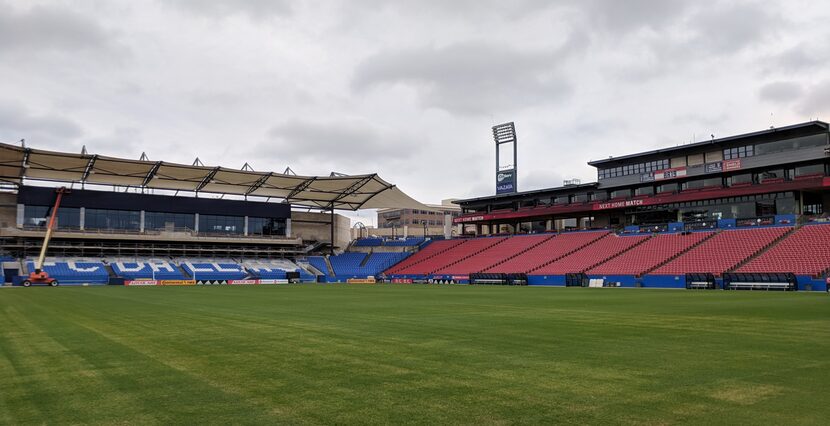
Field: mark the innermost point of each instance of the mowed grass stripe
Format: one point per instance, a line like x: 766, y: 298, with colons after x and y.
x: 411, y: 354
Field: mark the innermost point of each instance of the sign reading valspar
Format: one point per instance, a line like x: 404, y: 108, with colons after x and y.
x: 506, y: 181
x: 618, y: 204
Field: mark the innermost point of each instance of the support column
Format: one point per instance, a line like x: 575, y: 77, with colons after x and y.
x: 21, y: 215
x: 245, y: 227
x: 196, y: 222
x: 331, y: 251
x: 82, y: 218
x: 141, y: 222
x: 288, y: 227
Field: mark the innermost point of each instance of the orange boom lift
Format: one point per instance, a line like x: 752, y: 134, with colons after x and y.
x: 39, y: 276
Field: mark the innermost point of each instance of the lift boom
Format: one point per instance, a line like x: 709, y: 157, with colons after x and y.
x: 39, y: 276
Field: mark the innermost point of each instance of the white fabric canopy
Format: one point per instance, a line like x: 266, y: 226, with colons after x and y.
x: 339, y: 192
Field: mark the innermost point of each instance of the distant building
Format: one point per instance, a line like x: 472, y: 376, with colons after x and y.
x: 400, y: 222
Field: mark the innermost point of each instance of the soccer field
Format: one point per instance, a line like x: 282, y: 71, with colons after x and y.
x: 412, y: 354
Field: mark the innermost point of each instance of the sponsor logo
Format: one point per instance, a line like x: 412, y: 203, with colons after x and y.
x: 460, y: 277
x: 140, y: 282
x: 273, y: 281
x: 670, y: 173
x: 618, y: 204
x: 367, y: 280
x: 714, y: 167
x: 409, y: 280
x: 211, y: 282
x: 238, y: 282
x: 177, y: 282
x: 731, y: 165
x: 505, y: 181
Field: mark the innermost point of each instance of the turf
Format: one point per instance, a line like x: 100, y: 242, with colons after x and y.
x: 412, y: 354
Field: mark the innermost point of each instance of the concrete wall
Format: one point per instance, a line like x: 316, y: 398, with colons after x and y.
x: 8, y: 210
x: 316, y: 227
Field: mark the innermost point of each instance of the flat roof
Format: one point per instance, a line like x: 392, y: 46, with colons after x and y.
x: 820, y: 125
x: 590, y: 185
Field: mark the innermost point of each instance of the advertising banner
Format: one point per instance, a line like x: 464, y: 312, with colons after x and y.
x: 506, y: 181
x: 140, y: 282
x: 402, y: 280
x: 670, y: 173
x: 367, y: 280
x: 177, y: 282
x: 714, y: 167
x: 273, y: 281
x: 242, y: 282
x: 729, y: 165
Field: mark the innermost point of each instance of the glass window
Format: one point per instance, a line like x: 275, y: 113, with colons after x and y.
x: 667, y: 187
x: 112, y: 219
x: 713, y: 182
x: 813, y: 169
x: 38, y: 216
x: 160, y: 220
x: 692, y: 184
x: 621, y: 193
x: 644, y: 190
x: 599, y: 196
x: 790, y: 144
x: 221, y: 224
x: 579, y: 198
x: 739, y: 179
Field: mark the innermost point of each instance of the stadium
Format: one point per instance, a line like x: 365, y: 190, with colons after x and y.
x: 216, y: 295
x: 741, y: 212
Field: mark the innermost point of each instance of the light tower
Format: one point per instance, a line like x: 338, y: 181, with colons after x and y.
x: 505, y: 174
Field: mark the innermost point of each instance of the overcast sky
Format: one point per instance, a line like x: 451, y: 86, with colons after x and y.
x: 408, y: 89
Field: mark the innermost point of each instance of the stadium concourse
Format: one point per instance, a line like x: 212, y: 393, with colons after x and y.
x: 742, y: 212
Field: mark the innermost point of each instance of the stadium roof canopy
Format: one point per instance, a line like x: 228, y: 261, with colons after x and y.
x: 338, y: 192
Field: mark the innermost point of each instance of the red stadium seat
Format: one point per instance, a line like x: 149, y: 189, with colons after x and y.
x: 650, y: 254
x: 723, y: 251
x: 548, y: 251
x: 804, y: 252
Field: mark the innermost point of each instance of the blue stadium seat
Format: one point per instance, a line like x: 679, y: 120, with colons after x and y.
x: 349, y: 264
x: 319, y: 263
x: 214, y: 271
x: 159, y: 270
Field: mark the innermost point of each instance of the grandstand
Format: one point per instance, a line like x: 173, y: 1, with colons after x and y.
x: 746, y: 211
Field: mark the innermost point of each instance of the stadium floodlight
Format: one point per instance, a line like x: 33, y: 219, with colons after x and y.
x: 505, y: 175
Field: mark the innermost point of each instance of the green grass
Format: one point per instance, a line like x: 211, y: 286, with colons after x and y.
x: 412, y: 354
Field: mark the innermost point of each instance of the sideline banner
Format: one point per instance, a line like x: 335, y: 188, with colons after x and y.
x: 273, y: 281
x: 367, y: 280
x: 158, y: 282
x: 140, y: 282
x: 402, y: 280
x: 177, y: 282
x: 241, y: 282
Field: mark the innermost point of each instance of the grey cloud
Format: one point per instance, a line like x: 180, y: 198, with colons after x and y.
x: 473, y: 77
x: 781, y: 91
x: 50, y: 28
x: 254, y: 9
x: 816, y: 102
x: 627, y: 16
x: 17, y: 123
x: 734, y: 26
x: 801, y: 57
x: 341, y: 140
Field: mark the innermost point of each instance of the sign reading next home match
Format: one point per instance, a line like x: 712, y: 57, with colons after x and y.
x: 506, y: 181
